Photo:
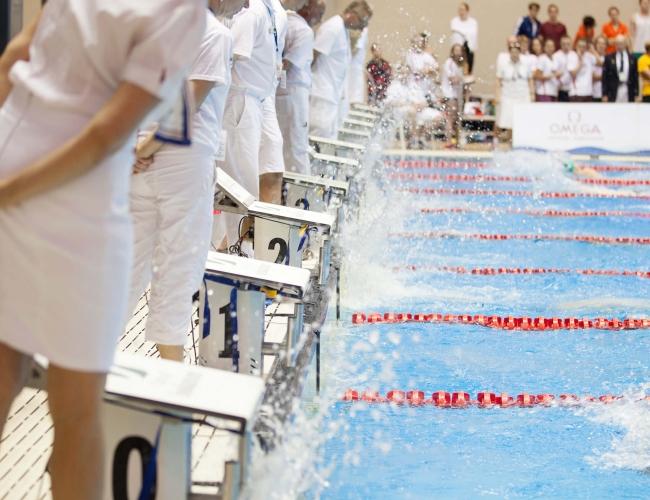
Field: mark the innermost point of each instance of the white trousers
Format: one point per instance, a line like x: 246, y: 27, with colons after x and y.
x: 293, y: 118
x: 323, y: 118
x: 242, y: 120
x: 271, y: 159
x: 171, y: 206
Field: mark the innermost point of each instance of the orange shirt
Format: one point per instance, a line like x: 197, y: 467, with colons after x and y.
x: 584, y: 33
x: 610, y: 32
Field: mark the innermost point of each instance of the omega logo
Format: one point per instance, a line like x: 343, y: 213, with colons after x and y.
x: 574, y: 126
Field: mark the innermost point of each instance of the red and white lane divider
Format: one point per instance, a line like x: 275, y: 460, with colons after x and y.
x: 461, y: 178
x: 546, y: 213
x: 490, y: 271
x: 484, y: 399
x: 500, y: 237
x: 464, y: 164
x: 494, y: 192
x: 616, y: 182
x: 523, y: 323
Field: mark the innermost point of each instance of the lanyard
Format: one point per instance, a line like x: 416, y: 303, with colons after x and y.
x: 274, y: 29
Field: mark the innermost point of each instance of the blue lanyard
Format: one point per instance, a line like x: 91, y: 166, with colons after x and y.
x: 275, y: 30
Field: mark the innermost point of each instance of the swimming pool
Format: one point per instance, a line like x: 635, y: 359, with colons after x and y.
x: 420, y: 235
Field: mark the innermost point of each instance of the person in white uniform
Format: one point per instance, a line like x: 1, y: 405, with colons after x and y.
x: 332, y: 56
x: 254, y: 77
x: 453, y: 74
x: 292, y: 102
x: 599, y: 51
x: 561, y: 58
x: 640, y: 28
x: 581, y: 65
x: 464, y: 32
x: 423, y: 66
x: 172, y: 198
x: 514, y: 85
x: 357, y: 72
x: 546, y: 75
x: 80, y: 83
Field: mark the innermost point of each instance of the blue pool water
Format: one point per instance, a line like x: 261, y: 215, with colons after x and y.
x: 382, y: 451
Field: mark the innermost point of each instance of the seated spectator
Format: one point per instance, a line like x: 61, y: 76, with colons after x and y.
x: 409, y: 106
x: 379, y: 75
x: 553, y: 29
x: 599, y: 49
x: 644, y: 72
x: 514, y: 85
x: 561, y: 57
x: 529, y: 25
x: 453, y: 74
x: 587, y: 30
x: 580, y: 65
x: 547, y: 75
x: 613, y: 28
x: 620, y: 74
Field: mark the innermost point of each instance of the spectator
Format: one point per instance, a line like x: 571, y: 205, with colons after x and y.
x: 553, y: 29
x: 644, y: 72
x: 356, y: 73
x: 587, y: 30
x: 423, y: 66
x: 547, y: 75
x: 537, y: 47
x: 514, y: 85
x: 529, y: 25
x: 620, y: 74
x: 561, y: 58
x: 580, y: 65
x: 452, y: 85
x: 598, y: 50
x: 464, y: 31
x: 640, y: 28
x: 379, y: 76
x: 504, y: 57
x: 613, y: 28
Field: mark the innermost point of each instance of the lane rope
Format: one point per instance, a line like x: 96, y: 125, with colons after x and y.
x: 545, y: 213
x: 502, y: 237
x: 495, y: 192
x: 490, y: 271
x: 512, y: 323
x: 484, y: 399
x: 455, y: 164
x: 462, y: 178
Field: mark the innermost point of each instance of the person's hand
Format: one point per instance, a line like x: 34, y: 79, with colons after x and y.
x: 142, y: 164
x: 637, y: 98
x: 558, y: 74
x: 454, y: 80
x: 605, y: 98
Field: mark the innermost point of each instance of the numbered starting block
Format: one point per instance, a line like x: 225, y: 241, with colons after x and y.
x: 232, y: 308
x: 354, y: 135
x: 316, y: 194
x: 333, y: 167
x: 281, y: 233
x: 149, y: 408
x: 334, y: 147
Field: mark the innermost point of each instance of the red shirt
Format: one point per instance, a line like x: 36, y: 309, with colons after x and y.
x: 553, y: 32
x: 610, y: 32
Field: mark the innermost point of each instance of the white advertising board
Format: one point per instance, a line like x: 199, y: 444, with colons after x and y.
x: 588, y: 128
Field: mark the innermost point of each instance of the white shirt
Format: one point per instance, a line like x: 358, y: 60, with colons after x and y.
x: 255, y: 68
x: 642, y: 33
x: 583, y: 83
x: 299, y: 51
x: 213, y: 64
x: 329, y: 72
x: 451, y: 69
x: 281, y: 23
x: 598, y: 85
x: 403, y: 94
x: 514, y: 79
x: 465, y: 31
x: 562, y: 58
x: 530, y: 59
x: 419, y: 62
x: 105, y: 43
x: 548, y: 67
x: 357, y: 76
x: 624, y: 71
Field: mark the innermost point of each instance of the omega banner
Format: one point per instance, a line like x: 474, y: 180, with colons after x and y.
x: 590, y: 128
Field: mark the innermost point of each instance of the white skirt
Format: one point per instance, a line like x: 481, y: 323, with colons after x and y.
x: 65, y: 255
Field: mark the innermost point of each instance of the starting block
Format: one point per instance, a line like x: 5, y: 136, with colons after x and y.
x: 363, y: 116
x: 354, y: 135
x: 281, y: 232
x: 232, y: 307
x: 362, y: 125
x: 334, y: 147
x: 333, y: 167
x: 316, y: 194
x: 366, y: 109
x: 149, y: 408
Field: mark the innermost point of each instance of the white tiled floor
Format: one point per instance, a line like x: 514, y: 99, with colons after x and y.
x: 28, y: 434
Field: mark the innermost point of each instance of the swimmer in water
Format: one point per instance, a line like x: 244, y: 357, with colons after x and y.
x: 581, y: 171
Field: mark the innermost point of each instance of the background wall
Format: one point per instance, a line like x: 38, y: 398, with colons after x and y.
x: 395, y: 21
